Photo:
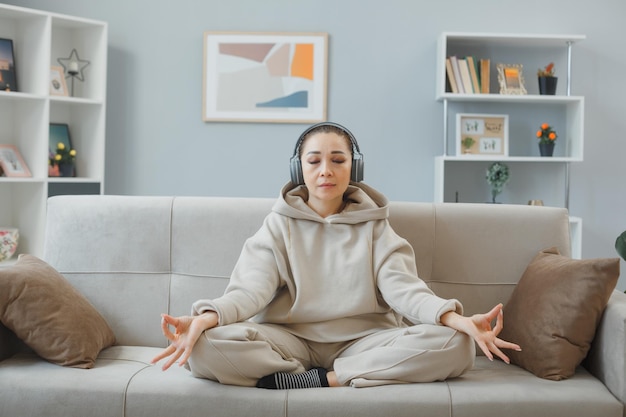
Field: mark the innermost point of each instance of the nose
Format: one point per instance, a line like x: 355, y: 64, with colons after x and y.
x: 325, y: 169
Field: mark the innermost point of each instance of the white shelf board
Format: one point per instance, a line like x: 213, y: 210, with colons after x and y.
x: 509, y: 98
x: 514, y: 39
x: 479, y: 158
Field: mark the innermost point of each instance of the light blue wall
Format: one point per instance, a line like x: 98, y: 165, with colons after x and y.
x: 381, y: 85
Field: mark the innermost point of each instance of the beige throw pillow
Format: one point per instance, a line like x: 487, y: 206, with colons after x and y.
x: 554, y: 311
x: 44, y: 310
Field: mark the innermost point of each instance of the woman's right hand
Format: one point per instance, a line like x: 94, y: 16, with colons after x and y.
x: 187, y: 331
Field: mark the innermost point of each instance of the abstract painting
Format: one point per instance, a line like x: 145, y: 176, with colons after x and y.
x: 265, y: 77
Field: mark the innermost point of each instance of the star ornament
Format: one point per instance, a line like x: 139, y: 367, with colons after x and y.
x: 73, y: 65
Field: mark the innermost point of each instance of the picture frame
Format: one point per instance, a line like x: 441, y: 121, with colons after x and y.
x: 482, y: 135
x: 58, y: 85
x: 8, y: 75
x: 272, y: 77
x: 59, y: 132
x: 511, y: 79
x: 11, y: 162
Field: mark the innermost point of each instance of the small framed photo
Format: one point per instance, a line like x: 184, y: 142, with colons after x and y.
x: 511, y: 79
x: 8, y: 77
x: 58, y: 86
x: 482, y: 135
x: 264, y: 77
x: 11, y: 162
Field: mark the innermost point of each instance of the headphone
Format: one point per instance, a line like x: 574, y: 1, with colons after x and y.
x: 295, y: 164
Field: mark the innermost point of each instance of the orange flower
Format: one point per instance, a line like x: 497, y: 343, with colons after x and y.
x: 546, y: 134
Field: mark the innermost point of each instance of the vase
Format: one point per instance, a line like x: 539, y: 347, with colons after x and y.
x: 547, y: 85
x: 546, y: 149
x: 66, y: 170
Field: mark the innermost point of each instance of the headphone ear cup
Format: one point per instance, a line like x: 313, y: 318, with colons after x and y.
x: 357, y: 168
x: 295, y: 166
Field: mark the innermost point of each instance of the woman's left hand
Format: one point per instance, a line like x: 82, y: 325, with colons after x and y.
x: 479, y: 328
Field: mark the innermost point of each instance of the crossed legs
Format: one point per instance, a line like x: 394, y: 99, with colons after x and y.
x: 243, y: 353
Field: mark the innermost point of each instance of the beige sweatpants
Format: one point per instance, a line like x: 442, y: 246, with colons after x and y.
x: 242, y: 353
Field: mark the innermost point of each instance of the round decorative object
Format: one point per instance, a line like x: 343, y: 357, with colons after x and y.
x: 9, y: 237
x: 546, y: 149
x: 497, y: 177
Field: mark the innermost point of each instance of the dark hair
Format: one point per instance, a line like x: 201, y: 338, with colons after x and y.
x: 327, y: 129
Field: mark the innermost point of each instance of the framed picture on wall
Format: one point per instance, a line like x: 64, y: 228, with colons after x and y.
x: 264, y: 77
x: 11, y: 162
x: 8, y: 77
x: 58, y: 86
x: 511, y: 79
x: 482, y: 135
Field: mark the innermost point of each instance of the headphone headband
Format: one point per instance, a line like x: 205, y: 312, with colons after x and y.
x: 355, y: 145
x: 357, y: 158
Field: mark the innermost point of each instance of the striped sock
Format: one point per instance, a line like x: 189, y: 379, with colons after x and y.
x: 313, y: 378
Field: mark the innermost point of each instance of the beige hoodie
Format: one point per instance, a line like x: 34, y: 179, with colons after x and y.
x: 328, y: 279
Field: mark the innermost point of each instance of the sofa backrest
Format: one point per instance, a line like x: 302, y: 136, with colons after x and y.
x: 137, y: 257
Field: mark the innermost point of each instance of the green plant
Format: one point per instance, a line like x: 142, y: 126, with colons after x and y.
x: 468, y: 142
x: 546, y: 134
x: 497, y: 177
x: 548, y: 71
x: 63, y: 155
x: 620, y: 245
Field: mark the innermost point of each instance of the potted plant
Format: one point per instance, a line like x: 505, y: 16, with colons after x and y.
x: 467, y: 143
x: 64, y: 159
x: 547, y: 139
x: 547, y: 80
x: 497, y: 177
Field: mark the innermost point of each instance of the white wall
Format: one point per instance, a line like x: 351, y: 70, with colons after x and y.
x: 381, y: 85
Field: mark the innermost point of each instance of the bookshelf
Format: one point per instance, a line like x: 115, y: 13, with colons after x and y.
x: 39, y: 38
x: 462, y: 177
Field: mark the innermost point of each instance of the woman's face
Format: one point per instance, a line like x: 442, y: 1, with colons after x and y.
x: 326, y: 166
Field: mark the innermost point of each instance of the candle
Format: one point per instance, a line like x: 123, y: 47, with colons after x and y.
x: 73, y: 67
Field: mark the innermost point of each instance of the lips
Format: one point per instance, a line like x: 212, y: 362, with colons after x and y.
x: 326, y: 185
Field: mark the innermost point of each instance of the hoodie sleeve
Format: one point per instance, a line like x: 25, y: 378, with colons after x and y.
x: 253, y: 282
x: 399, y: 284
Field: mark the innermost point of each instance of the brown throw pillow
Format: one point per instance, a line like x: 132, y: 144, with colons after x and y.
x: 44, y: 310
x: 554, y: 311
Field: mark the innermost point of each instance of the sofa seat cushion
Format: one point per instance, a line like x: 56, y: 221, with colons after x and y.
x: 31, y: 386
x: 497, y: 389
x: 123, y: 383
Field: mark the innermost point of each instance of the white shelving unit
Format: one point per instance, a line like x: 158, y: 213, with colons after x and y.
x: 39, y: 38
x: 462, y: 177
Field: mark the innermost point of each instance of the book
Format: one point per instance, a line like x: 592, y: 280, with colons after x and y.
x: 471, y: 63
x: 450, y: 76
x: 465, y: 76
x: 457, y: 74
x: 485, y: 75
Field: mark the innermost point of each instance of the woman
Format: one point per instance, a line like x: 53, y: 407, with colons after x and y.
x: 321, y: 293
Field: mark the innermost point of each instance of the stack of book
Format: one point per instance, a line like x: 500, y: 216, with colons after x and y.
x: 467, y: 75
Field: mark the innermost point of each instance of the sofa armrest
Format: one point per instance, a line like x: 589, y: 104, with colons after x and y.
x: 606, y: 359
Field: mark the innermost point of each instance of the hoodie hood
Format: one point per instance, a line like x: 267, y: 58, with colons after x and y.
x: 363, y: 204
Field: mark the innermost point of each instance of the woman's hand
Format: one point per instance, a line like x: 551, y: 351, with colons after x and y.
x: 187, y: 331
x: 479, y: 328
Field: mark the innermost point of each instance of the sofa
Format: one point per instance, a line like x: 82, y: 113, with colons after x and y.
x: 135, y: 257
